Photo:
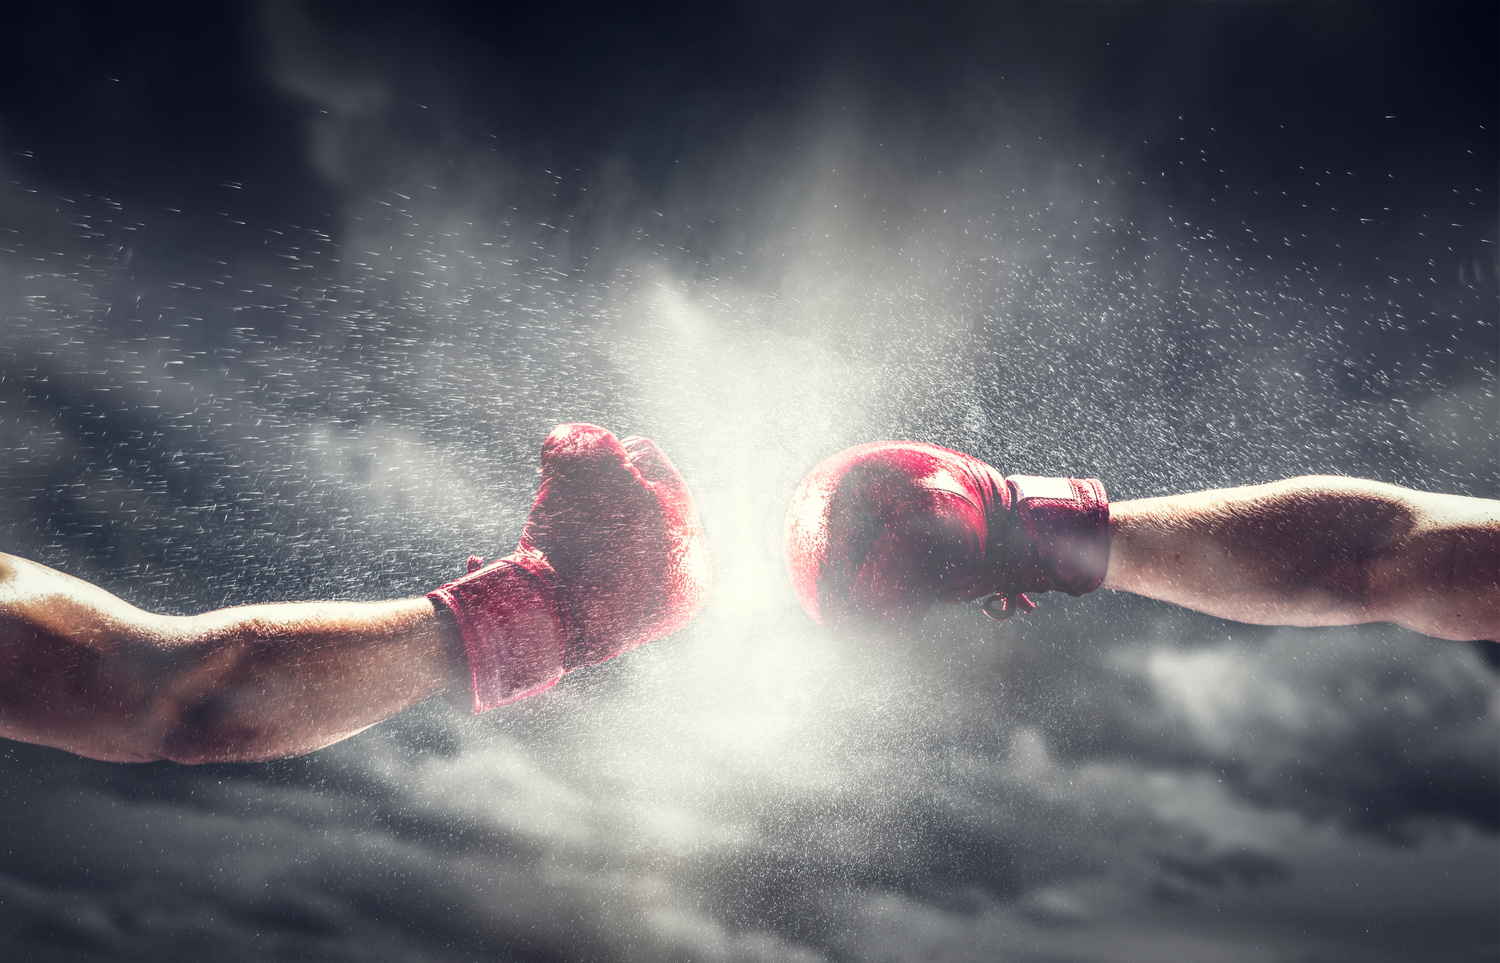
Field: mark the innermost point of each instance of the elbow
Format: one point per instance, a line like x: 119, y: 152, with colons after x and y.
x: 205, y: 729
x: 232, y: 725
x: 150, y: 730
x: 206, y: 707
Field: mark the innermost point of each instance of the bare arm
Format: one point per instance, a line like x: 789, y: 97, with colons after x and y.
x: 84, y: 671
x: 1318, y: 550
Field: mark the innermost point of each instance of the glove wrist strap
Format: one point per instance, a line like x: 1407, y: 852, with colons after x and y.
x: 512, y: 627
x: 1060, y: 538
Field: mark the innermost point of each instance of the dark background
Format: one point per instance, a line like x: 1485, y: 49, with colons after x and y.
x: 291, y: 293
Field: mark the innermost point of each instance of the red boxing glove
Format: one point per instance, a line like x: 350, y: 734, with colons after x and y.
x: 879, y: 532
x: 612, y: 557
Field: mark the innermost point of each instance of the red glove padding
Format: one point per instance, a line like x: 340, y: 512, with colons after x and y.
x: 612, y: 557
x: 879, y: 532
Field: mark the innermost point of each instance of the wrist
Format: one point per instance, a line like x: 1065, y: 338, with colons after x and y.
x: 1056, y: 535
x: 511, y: 627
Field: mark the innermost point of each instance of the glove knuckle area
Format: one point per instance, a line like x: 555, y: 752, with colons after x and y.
x: 580, y: 447
x: 656, y: 469
x: 877, y: 533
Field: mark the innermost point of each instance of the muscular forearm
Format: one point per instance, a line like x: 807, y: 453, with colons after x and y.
x: 269, y: 681
x: 1316, y: 551
x: 84, y: 671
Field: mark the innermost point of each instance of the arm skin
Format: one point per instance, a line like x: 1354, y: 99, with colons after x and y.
x: 84, y: 671
x: 1318, y: 550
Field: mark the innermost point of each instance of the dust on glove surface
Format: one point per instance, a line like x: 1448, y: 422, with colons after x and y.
x: 612, y: 557
x: 878, y: 533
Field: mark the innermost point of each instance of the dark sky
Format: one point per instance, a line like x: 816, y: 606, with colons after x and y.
x: 291, y: 293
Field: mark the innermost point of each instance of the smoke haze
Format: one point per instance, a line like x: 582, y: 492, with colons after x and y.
x: 291, y: 295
